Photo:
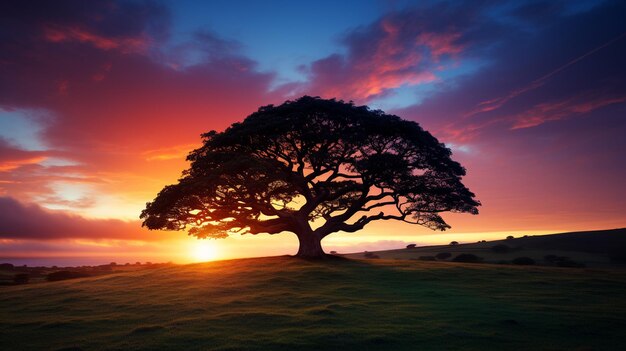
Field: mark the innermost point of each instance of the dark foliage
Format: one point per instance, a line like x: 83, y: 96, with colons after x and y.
x: 469, y: 258
x: 371, y: 255
x: 551, y: 258
x: 427, y: 258
x: 562, y: 261
x: 454, y: 243
x: 523, y: 261
x: 510, y: 237
x: 312, y: 159
x: 21, y: 278
x: 569, y: 263
x: 63, y: 275
x: 501, y: 248
x: 6, y: 266
x: 443, y: 255
x: 618, y: 255
x: 411, y: 246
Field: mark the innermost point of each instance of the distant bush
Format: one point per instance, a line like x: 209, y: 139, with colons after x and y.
x: 454, y: 243
x: 501, y: 248
x: 443, y: 255
x: 523, y: 261
x: 427, y: 258
x: 510, y: 237
x: 468, y: 258
x: 569, y: 263
x: 562, y: 261
x: 550, y: 258
x: 21, y: 278
x: 63, y: 275
x: 411, y: 246
x: 618, y: 255
x: 371, y: 255
x: 333, y: 252
x: 6, y: 266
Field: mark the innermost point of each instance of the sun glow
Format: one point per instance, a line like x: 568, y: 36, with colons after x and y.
x: 203, y: 251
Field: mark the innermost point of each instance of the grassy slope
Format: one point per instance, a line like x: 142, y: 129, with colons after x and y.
x: 591, y: 248
x: 283, y: 303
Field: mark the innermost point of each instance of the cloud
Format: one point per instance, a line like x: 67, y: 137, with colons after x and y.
x: 408, y: 48
x: 12, y: 157
x: 122, y: 97
x: 30, y: 221
x: 554, y: 111
x: 545, y: 55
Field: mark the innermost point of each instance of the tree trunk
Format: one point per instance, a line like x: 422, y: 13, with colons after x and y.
x: 310, y: 246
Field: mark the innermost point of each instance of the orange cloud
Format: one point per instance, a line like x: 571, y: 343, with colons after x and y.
x: 11, y: 165
x: 179, y: 152
x: 12, y: 158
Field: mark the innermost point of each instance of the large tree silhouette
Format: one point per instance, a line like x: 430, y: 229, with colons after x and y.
x: 312, y: 167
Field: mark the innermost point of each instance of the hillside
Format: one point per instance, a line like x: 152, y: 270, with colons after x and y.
x: 283, y: 303
x: 599, y: 249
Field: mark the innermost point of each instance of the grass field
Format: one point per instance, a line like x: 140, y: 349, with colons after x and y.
x: 283, y: 303
x: 592, y: 249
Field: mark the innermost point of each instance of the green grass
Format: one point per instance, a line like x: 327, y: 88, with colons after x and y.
x: 593, y: 249
x: 284, y: 303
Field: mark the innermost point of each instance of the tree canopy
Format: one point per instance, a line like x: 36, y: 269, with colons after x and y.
x: 312, y: 167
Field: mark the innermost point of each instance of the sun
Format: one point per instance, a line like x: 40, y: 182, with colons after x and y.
x: 203, y: 251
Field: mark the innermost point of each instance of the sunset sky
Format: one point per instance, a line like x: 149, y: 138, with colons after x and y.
x: 100, y: 102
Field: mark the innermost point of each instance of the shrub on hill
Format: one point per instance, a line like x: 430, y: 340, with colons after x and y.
x: 443, y: 255
x: 454, y: 243
x: 562, y: 261
x: 501, y: 248
x: 411, y: 246
x: 618, y: 255
x: 21, y: 278
x: 569, y: 263
x: 550, y: 258
x: 467, y: 258
x: 427, y: 258
x: 523, y: 261
x: 7, y: 266
x: 371, y: 255
x: 63, y: 275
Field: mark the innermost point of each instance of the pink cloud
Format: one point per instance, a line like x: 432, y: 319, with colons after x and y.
x: 59, y: 34
x: 389, y: 54
x: 12, y: 158
x: 30, y: 221
x: 553, y: 111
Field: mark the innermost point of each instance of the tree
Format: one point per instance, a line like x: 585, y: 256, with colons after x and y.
x: 454, y: 243
x: 312, y: 167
